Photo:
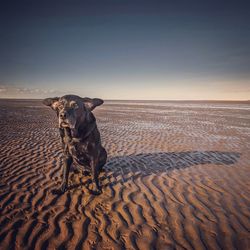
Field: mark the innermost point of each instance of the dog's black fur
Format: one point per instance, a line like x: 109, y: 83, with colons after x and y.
x: 79, y: 134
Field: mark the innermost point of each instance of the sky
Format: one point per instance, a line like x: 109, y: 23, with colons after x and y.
x: 123, y: 49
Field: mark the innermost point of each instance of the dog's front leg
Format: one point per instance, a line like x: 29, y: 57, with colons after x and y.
x: 66, y: 167
x: 95, y: 182
x: 62, y: 134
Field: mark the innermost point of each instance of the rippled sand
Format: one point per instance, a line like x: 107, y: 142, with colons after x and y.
x: 177, y: 178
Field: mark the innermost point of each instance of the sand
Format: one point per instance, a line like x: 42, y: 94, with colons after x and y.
x: 177, y: 177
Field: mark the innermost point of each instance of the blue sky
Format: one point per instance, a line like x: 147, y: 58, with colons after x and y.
x: 125, y: 49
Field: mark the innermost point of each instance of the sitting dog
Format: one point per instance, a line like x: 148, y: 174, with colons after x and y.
x: 79, y: 134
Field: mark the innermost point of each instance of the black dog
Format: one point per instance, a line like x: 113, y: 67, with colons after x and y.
x: 80, y: 137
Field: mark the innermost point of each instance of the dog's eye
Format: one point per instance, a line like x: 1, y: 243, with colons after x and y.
x: 60, y: 106
x: 74, y: 105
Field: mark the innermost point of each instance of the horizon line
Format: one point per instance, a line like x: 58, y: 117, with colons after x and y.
x: 148, y: 100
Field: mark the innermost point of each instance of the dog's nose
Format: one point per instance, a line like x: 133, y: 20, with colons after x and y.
x: 62, y: 115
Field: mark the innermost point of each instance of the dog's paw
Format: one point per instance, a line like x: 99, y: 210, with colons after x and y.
x: 96, y: 191
x: 86, y: 173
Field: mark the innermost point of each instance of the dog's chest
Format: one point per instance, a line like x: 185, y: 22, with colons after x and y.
x: 79, y: 152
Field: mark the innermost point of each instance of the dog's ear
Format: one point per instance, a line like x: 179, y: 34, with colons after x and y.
x: 52, y: 102
x: 90, y: 104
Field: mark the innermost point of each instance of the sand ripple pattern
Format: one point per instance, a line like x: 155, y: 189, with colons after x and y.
x: 177, y: 178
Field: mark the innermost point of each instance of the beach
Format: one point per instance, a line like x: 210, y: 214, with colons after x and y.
x: 177, y: 177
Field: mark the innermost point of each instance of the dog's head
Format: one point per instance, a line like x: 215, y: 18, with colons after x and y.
x: 72, y: 110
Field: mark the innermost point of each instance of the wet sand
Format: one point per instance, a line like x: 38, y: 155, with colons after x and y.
x: 177, y: 177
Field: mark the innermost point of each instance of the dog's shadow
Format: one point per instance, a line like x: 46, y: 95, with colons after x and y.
x: 121, y: 169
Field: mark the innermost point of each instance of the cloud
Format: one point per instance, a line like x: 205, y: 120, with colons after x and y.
x: 11, y: 91
x: 2, y: 89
